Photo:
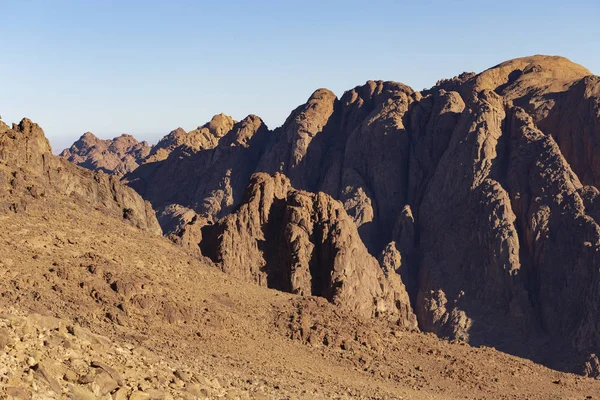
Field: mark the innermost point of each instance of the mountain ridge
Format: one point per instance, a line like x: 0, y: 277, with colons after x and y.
x: 456, y: 176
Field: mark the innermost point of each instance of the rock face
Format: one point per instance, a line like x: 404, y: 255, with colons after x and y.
x: 479, y: 242
x: 563, y: 239
x: 24, y: 144
x: 482, y: 193
x: 118, y: 156
x: 226, y: 167
x: 28, y: 164
x: 304, y: 243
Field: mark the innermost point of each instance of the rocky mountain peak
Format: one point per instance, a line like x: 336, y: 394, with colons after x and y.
x: 118, y: 156
x: 25, y: 144
x: 219, y: 125
x: 89, y: 137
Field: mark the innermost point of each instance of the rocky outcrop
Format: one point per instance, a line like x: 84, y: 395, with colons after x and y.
x: 117, y: 156
x: 26, y: 155
x: 225, y: 173
x: 304, y: 243
x: 520, y: 253
x: 204, y: 137
x: 328, y: 145
x: 298, y: 147
x: 347, y: 148
x: 24, y: 144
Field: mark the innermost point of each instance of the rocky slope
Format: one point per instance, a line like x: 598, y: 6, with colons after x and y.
x: 482, y: 192
x: 92, y: 307
x: 27, y: 163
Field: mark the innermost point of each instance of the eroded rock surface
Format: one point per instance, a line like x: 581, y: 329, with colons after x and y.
x: 29, y: 166
x: 304, y: 243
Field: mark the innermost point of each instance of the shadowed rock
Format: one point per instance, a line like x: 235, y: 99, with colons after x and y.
x: 304, y: 243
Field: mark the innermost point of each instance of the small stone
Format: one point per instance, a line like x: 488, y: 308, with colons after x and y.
x: 178, y: 383
x: 4, y: 338
x: 184, y: 376
x: 42, y: 371
x: 70, y: 376
x: 142, y: 351
x: 97, y: 342
x: 139, y: 396
x: 196, y: 390
x: 111, y: 371
x: 27, y: 330
x: 17, y: 393
x: 201, y: 380
x: 31, y: 361
x: 158, y: 395
x: 81, y: 393
x: 104, y: 384
x: 45, y: 323
x: 87, y: 378
x: 120, y: 394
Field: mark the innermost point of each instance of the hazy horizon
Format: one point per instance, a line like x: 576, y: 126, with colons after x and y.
x: 145, y: 68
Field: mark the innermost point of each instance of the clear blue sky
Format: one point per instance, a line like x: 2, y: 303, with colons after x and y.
x: 146, y: 67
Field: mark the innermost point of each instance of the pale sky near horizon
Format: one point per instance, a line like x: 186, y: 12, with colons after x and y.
x: 147, y: 67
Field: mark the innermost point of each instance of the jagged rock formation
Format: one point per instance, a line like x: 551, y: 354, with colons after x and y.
x: 27, y: 164
x: 304, y: 243
x: 226, y: 170
x: 481, y: 192
x: 118, y: 156
x: 205, y: 137
x: 123, y: 154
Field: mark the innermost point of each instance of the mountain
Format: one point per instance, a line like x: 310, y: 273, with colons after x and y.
x: 484, y: 188
x: 204, y: 137
x: 123, y: 154
x: 117, y: 156
x: 95, y: 304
